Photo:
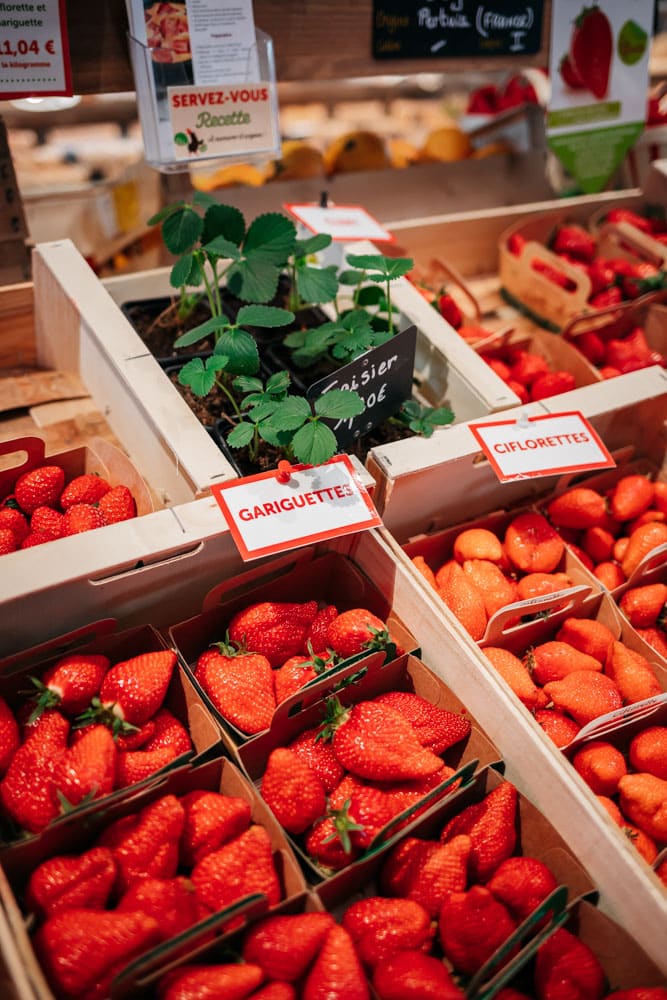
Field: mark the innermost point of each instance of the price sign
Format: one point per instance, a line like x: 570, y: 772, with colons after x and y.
x: 34, y: 50
x: 341, y: 222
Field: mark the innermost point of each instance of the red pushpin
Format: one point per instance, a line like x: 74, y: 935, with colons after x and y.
x: 284, y: 473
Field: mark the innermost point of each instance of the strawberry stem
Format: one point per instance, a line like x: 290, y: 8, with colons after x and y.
x: 344, y: 825
x: 99, y: 714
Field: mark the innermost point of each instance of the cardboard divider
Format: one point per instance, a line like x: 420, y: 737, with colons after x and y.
x: 622, y: 239
x: 548, y: 303
x: 371, y: 678
x: 218, y: 775
x: 181, y: 700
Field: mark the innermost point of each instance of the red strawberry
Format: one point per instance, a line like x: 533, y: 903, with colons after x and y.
x: 47, y: 521
x: 239, y: 868
x: 15, y: 521
x: 516, y: 243
x: 233, y: 981
x: 357, y: 631
x: 71, y: 683
x: 602, y: 275
x: 412, y: 975
x: 28, y: 791
x: 320, y: 757
x: 137, y: 738
x: 375, y: 741
x: 146, y: 845
x: 491, y: 826
x: 285, y: 946
x: 87, y: 770
x: 437, y: 728
x: 633, y: 218
x: 211, y: 820
x: 381, y: 927
x: 8, y: 541
x: 316, y: 636
x: 574, y: 241
x: 40, y: 487
x: 87, y: 488
x: 551, y: 384
x: 34, y: 538
x: 168, y: 733
x: 134, y: 766
x: 277, y: 630
x: 81, y: 951
x: 569, y: 75
x: 293, y: 791
x: 171, y: 902
x: 606, y: 298
x: 472, y: 925
x: 337, y: 973
x: 329, y: 841
x: 67, y: 882
x: 450, y: 311
x: 133, y: 690
x: 299, y: 670
x: 10, y: 738
x: 82, y: 517
x: 591, y: 47
x: 427, y: 872
x: 118, y: 504
x: 241, y: 687
x: 579, y: 507
x: 526, y: 366
x: 521, y: 883
x: 567, y: 969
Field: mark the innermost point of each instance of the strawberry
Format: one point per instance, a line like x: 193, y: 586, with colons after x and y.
x: 12, y: 519
x: 551, y: 384
x: 284, y: 947
x: 516, y: 675
x: 521, y: 883
x: 568, y: 74
x: 357, y: 631
x: 607, y: 298
x: 642, y: 843
x: 553, y: 660
x: 591, y: 345
x: 449, y: 310
x: 515, y: 243
x: 428, y: 872
x: 412, y: 975
x: 560, y: 729
x: 277, y: 630
x: 436, y: 728
x: 630, y: 353
x: 601, y: 765
x: 28, y: 791
x: 336, y: 973
x: 118, y: 504
x: 70, y: 684
x: 463, y: 599
x: 497, y: 589
x: 47, y: 521
x: 134, y: 766
x: 168, y: 733
x: 483, y: 101
x: 171, y: 902
x: 656, y: 638
x: 87, y: 489
x: 639, y: 993
x: 316, y: 636
x: 573, y: 240
x: 609, y: 574
x: 567, y: 969
x: 10, y: 738
x: 578, y: 507
x: 532, y: 544
x: 648, y: 751
x: 241, y: 687
x: 83, y: 950
x: 239, y: 868
x: 591, y: 47
x: 41, y: 487
x: 211, y: 820
x: 275, y: 991
x: 517, y: 91
x: 34, y: 538
x: 381, y: 927
x: 478, y: 543
x: 133, y: 690
x: 643, y: 799
x: 371, y: 807
x: 82, y: 517
x: 293, y: 791
x: 491, y: 826
x: 69, y: 882
x: 631, y: 217
x: 585, y: 695
x: 632, y: 674
x: 375, y: 741
x: 137, y: 738
x: 146, y: 845
x: 329, y: 841
x: 233, y: 981
x: 299, y: 670
x: 642, y: 541
x: 8, y: 542
x: 538, y: 584
x: 319, y: 756
x: 471, y: 925
x: 87, y: 770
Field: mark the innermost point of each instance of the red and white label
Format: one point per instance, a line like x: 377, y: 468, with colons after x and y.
x: 34, y: 50
x: 266, y: 515
x: 541, y: 446
x: 341, y: 222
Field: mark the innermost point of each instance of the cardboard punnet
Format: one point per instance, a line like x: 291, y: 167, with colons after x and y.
x: 218, y: 775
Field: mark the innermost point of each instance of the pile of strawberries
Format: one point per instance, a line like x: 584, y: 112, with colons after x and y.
x: 90, y: 728
x: 339, y: 784
x: 147, y: 877
x: 527, y: 373
x: 273, y: 648
x: 43, y: 507
x: 612, y: 531
x: 486, y: 572
x: 645, y: 607
x: 617, y: 354
x: 631, y: 783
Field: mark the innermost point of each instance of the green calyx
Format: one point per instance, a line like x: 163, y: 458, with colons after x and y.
x: 335, y: 715
x: 44, y: 699
x: 343, y: 825
x: 99, y: 714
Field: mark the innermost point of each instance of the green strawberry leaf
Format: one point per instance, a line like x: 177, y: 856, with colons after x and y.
x: 181, y: 230
x: 264, y: 316
x: 241, y: 349
x: 241, y: 436
x: 317, y: 284
x: 339, y: 404
x: 271, y: 238
x: 314, y: 443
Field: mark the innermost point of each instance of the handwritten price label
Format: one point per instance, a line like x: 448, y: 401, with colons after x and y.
x: 34, y: 52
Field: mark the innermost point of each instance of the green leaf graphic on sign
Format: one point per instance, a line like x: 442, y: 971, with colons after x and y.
x: 181, y: 139
x: 632, y: 41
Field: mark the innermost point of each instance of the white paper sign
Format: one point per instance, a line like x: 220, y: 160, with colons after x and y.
x: 266, y: 515
x: 541, y: 446
x: 219, y: 121
x: 34, y: 52
x: 341, y: 222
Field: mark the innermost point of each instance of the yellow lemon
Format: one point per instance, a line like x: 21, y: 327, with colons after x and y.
x: 297, y: 159
x: 445, y: 144
x: 359, y: 150
x: 232, y: 174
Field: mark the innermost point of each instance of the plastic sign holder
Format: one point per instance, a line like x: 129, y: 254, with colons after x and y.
x: 185, y: 124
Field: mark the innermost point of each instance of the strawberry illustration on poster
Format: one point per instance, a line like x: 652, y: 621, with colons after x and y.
x: 599, y: 74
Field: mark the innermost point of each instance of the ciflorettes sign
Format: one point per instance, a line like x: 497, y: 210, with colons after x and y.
x: 222, y: 120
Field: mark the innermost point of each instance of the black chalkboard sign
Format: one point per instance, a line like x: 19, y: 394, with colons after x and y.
x: 456, y: 29
x: 383, y: 379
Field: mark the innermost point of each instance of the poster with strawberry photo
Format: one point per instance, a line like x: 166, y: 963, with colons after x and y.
x: 599, y: 72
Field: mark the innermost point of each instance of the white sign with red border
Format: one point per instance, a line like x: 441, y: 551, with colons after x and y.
x: 341, y: 222
x: 541, y: 446
x: 266, y: 515
x: 34, y: 50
